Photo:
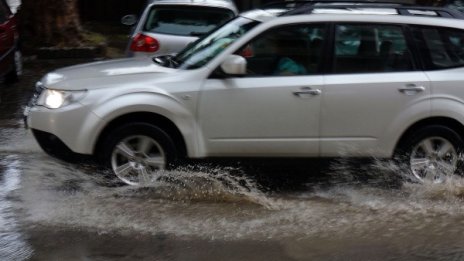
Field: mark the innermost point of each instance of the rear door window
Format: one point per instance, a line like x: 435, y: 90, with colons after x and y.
x: 371, y: 48
x: 441, y: 47
x: 185, y: 20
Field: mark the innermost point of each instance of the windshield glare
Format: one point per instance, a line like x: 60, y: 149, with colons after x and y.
x: 205, y: 49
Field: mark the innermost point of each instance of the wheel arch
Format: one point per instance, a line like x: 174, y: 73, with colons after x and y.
x: 145, y: 117
x: 451, y: 123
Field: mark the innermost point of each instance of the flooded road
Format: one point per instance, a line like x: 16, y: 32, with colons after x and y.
x: 51, y: 210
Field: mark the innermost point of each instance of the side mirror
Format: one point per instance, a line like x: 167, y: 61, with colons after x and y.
x: 129, y: 20
x: 234, y: 65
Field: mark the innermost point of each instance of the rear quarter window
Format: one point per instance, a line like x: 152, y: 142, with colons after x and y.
x: 441, y: 48
x: 185, y: 20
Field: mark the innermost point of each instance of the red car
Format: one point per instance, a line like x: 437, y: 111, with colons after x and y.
x: 10, y: 55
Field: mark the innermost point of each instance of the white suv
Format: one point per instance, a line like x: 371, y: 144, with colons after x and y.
x: 296, y: 85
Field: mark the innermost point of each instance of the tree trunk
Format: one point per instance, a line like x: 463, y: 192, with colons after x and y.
x: 47, y: 23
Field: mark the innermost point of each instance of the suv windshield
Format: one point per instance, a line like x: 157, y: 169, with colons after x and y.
x: 205, y: 49
x: 185, y: 20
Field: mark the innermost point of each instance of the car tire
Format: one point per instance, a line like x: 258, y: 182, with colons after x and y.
x: 431, y: 154
x: 13, y: 75
x: 136, y: 152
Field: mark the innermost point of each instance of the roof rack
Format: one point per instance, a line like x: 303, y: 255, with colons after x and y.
x: 292, y: 4
x: 406, y: 10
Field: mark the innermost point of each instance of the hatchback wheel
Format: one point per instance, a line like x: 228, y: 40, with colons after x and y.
x: 433, y: 153
x: 137, y: 152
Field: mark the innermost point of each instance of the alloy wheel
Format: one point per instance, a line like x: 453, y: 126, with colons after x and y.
x: 137, y: 159
x: 433, y: 159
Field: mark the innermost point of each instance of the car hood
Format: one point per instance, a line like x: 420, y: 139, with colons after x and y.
x: 108, y: 69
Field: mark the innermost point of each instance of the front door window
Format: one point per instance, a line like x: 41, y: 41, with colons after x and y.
x: 285, y: 51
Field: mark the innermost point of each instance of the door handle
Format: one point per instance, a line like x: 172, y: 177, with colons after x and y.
x: 411, y: 89
x: 305, y: 91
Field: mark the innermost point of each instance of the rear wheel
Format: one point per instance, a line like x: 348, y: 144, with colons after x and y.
x: 432, y: 153
x: 136, y: 153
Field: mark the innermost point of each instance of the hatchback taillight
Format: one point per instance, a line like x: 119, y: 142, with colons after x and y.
x: 144, y: 43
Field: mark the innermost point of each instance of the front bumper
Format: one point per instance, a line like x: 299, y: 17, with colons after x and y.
x: 52, y: 145
x: 70, y: 129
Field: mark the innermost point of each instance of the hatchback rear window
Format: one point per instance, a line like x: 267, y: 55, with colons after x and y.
x: 185, y: 20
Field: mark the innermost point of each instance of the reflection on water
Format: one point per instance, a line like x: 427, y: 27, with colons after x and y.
x: 12, y: 244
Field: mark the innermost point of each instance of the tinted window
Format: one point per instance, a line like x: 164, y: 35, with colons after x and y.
x: 371, y: 48
x: 185, y: 20
x: 442, y: 47
x: 455, y: 4
x: 290, y: 50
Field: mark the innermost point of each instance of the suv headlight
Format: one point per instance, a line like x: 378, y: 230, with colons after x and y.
x: 55, y: 99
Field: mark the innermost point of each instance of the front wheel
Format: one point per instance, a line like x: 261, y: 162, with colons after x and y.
x: 432, y: 154
x: 136, y: 153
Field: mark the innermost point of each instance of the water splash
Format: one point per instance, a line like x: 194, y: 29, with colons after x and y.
x: 382, y: 185
x: 208, y: 185
x: 220, y: 202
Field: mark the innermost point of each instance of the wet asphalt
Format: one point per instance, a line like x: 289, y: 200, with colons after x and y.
x: 235, y: 210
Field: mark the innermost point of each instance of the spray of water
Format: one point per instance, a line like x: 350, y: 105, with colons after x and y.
x: 353, y: 198
x: 383, y: 185
x: 200, y: 184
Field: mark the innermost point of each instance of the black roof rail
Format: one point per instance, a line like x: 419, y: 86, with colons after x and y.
x: 284, y: 4
x: 292, y: 4
x: 406, y: 10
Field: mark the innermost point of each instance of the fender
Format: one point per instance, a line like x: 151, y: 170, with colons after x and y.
x: 440, y: 106
x: 147, y: 102
x: 448, y: 106
x: 419, y: 110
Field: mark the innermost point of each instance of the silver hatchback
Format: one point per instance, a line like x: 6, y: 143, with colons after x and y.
x: 167, y: 26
